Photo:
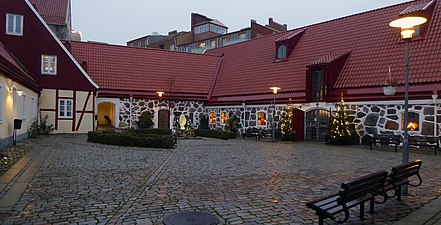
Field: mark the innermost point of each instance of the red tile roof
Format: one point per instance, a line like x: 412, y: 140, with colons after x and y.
x: 418, y: 6
x: 138, y: 69
x: 52, y: 11
x: 250, y: 68
x: 290, y: 34
x: 329, y: 58
x: 16, y: 70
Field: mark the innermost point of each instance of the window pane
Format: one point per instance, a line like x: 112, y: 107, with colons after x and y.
x: 61, y: 107
x: 261, y: 118
x: 18, y: 24
x: 281, y: 52
x: 317, y: 85
x: 69, y: 108
x: 10, y: 25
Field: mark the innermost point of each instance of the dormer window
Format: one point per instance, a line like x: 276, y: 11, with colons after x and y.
x: 281, y: 52
x: 317, y: 85
x: 14, y: 24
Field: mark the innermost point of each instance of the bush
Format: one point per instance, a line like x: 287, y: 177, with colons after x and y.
x: 150, y: 131
x: 216, y: 134
x: 41, y: 128
x: 125, y: 139
x: 145, y: 120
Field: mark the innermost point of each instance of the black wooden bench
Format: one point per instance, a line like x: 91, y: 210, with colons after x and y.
x: 424, y: 141
x: 351, y: 194
x: 386, y: 139
x: 400, y: 175
x: 252, y: 132
x: 265, y: 134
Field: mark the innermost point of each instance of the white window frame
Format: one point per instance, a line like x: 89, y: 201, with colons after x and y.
x: 33, y: 108
x: 65, y: 108
x: 23, y: 106
x: 49, y: 64
x: 14, y: 24
x: 1, y: 104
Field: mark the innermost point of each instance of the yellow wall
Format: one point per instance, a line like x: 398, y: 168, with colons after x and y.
x: 12, y: 106
x: 48, y: 102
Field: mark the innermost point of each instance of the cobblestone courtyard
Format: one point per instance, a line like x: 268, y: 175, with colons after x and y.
x: 240, y: 181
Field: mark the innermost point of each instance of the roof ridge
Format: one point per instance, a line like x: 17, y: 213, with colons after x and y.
x: 140, y: 48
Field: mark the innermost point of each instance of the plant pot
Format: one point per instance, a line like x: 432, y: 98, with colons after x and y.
x: 389, y: 90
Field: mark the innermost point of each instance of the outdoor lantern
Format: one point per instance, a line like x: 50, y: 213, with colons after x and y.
x: 160, y: 93
x: 275, y: 89
x: 407, y: 25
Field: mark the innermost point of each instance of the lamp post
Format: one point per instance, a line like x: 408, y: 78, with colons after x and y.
x: 273, y: 136
x: 407, y: 25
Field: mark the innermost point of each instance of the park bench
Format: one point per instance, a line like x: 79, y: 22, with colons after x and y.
x: 265, y: 134
x: 424, y: 141
x: 351, y: 194
x: 400, y: 175
x: 386, y: 139
x: 252, y: 132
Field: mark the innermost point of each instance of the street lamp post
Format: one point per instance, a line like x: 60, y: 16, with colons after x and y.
x: 273, y: 136
x: 407, y: 25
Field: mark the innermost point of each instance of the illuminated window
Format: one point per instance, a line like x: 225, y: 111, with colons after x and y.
x: 14, y: 24
x: 202, y: 45
x: 65, y: 108
x: 224, y: 117
x: 49, y: 64
x: 212, y: 118
x: 414, y: 121
x: 261, y: 118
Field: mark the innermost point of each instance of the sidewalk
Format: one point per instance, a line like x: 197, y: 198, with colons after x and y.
x: 429, y: 214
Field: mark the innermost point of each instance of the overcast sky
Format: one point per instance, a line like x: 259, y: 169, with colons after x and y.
x: 117, y: 21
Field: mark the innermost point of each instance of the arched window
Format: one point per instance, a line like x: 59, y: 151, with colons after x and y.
x: 261, y: 119
x: 413, y: 123
x: 281, y: 52
x: 212, y: 118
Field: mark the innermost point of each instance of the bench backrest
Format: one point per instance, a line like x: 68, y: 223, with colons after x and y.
x: 405, y: 171
x: 430, y: 140
x: 387, y: 137
x: 369, y: 184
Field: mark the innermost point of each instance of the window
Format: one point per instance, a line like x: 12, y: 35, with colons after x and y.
x: 243, y: 36
x: 281, y: 52
x: 201, y: 29
x: 261, y: 119
x: 212, y: 118
x: 224, y: 117
x: 1, y: 104
x: 23, y: 106
x: 14, y: 24
x: 65, y: 108
x: 317, y: 85
x: 33, y: 108
x: 49, y: 64
x: 414, y: 121
x: 202, y: 45
x: 213, y: 44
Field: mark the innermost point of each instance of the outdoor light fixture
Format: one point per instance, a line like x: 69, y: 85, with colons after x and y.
x: 275, y: 89
x: 160, y: 93
x: 407, y: 25
x: 19, y: 92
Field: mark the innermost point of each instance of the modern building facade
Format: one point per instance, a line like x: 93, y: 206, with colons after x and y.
x: 314, y: 66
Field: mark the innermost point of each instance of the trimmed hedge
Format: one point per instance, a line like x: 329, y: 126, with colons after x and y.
x: 224, y: 135
x: 125, y: 139
x: 150, y: 131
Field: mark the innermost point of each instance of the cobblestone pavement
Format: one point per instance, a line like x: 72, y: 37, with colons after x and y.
x: 240, y: 181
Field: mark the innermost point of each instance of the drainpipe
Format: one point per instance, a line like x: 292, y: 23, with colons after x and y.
x: 130, y: 111
x: 434, y: 97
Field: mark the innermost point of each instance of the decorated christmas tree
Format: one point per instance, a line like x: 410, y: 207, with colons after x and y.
x: 285, y: 124
x: 341, y: 130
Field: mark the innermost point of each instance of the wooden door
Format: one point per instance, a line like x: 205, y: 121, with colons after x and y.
x: 164, y: 119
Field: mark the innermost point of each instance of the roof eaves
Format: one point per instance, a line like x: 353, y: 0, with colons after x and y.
x: 61, y: 44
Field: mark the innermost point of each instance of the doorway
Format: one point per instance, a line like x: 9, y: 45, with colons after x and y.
x: 163, y: 119
x: 106, y: 114
x: 317, y: 124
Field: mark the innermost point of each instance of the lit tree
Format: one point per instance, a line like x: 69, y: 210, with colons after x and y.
x: 285, y: 124
x: 341, y: 131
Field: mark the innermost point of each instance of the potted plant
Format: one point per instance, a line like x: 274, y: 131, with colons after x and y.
x: 390, y: 85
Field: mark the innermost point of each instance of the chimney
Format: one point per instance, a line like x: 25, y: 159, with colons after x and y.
x: 286, y: 26
x: 172, y: 33
x: 270, y: 21
x: 253, y: 21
